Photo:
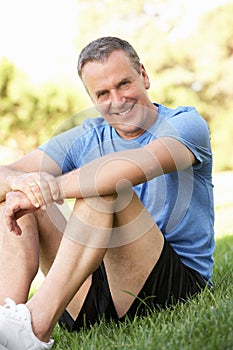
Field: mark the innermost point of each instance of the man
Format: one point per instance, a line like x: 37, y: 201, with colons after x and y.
x: 142, y: 223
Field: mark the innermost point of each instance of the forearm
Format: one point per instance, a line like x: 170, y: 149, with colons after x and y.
x: 114, y: 172
x: 110, y: 174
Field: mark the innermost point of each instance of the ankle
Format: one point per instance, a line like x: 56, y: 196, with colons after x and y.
x: 41, y: 323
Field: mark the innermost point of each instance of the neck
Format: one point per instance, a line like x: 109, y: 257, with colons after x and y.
x: 149, y: 121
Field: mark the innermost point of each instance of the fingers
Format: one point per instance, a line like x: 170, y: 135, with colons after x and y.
x: 32, y: 191
x: 40, y: 192
x: 40, y: 188
x: 11, y: 209
x: 12, y: 224
x: 17, y: 205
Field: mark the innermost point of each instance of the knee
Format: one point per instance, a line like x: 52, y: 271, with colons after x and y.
x: 101, y: 204
x: 26, y: 220
x: 22, y: 249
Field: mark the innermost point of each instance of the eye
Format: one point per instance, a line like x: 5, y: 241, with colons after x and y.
x: 102, y: 95
x: 124, y: 83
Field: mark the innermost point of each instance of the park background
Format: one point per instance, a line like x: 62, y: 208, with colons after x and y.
x: 186, y: 47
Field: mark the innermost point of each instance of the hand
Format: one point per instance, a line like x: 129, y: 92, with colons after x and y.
x: 17, y: 205
x: 41, y: 188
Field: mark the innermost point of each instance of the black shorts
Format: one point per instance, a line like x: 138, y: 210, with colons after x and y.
x: 169, y: 281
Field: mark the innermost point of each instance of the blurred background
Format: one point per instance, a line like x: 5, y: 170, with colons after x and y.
x: 186, y: 47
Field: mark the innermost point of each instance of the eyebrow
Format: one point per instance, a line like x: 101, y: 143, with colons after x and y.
x: 124, y: 80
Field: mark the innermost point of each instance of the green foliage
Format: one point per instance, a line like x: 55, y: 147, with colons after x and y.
x: 30, y: 115
x: 192, y: 68
x: 185, y: 68
x: 6, y: 73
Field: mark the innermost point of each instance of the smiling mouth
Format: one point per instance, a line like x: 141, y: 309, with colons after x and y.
x: 126, y: 111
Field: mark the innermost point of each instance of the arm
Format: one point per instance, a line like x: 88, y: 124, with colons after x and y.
x: 113, y: 172
x: 34, y: 168
x: 110, y: 174
x: 16, y: 190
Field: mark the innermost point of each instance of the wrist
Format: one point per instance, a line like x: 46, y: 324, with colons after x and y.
x: 10, y: 183
x: 11, y: 179
x: 61, y: 195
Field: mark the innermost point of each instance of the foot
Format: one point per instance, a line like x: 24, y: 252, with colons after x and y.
x: 16, y: 329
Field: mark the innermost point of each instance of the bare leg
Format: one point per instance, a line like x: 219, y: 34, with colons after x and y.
x: 51, y: 226
x: 19, y: 256
x: 74, y: 262
x: 138, y: 243
x: 16, y: 274
x: 76, y: 259
x: 129, y: 265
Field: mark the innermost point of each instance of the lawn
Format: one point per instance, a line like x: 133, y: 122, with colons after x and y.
x: 205, y: 322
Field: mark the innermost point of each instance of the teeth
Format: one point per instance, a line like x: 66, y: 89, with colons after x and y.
x: 125, y: 112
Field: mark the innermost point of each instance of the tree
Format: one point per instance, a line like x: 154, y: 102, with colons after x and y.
x: 186, y: 67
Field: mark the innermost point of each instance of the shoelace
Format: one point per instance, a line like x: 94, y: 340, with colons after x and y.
x: 10, y: 308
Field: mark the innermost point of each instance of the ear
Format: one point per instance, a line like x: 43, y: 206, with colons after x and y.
x: 145, y: 77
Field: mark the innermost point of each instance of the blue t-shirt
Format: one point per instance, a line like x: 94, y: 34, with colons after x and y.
x: 181, y: 203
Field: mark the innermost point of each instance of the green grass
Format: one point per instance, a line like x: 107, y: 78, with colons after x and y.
x: 203, y: 323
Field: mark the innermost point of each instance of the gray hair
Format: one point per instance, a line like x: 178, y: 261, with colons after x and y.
x: 100, y: 49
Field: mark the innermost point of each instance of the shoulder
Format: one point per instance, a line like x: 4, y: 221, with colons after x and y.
x: 180, y: 113
x: 183, y: 120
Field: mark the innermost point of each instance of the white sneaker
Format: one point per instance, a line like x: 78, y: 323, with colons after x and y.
x: 16, y: 329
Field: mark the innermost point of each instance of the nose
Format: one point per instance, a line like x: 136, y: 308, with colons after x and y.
x: 116, y: 96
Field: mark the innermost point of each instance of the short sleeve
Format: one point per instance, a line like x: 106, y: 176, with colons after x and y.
x: 60, y: 148
x: 188, y: 127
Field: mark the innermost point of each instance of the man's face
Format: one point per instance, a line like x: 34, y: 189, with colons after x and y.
x: 119, y: 92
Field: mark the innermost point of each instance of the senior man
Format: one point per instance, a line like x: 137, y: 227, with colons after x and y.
x: 141, y: 228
